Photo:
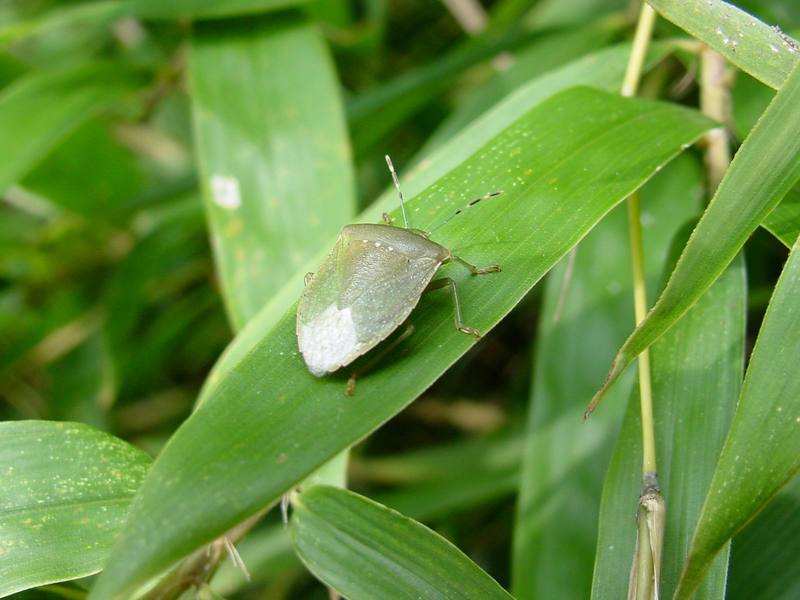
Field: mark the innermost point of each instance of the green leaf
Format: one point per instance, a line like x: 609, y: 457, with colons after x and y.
x: 108, y: 191
x: 147, y: 297
x: 764, y: 52
x: 71, y: 24
x: 201, y: 9
x: 604, y: 69
x: 764, y: 169
x: 27, y: 323
x: 81, y: 386
x: 40, y: 109
x: 696, y: 371
x: 750, y: 99
x: 564, y: 465
x: 784, y: 220
x: 434, y: 500
x: 560, y: 13
x: 501, y: 451
x: 765, y: 555
x: 527, y: 81
x: 66, y: 489
x: 438, y: 481
x: 277, y: 181
x: 373, y: 114
x: 10, y: 68
x: 445, y: 479
x: 273, y: 152
x: 365, y: 550
x: 550, y: 52
x: 762, y: 450
x: 269, y: 415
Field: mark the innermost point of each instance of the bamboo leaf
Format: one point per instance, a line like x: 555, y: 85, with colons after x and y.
x: 365, y: 550
x: 524, y: 82
x: 696, y: 370
x: 81, y: 384
x: 437, y: 481
x: 201, y: 9
x: 764, y: 169
x: 81, y: 16
x: 98, y: 14
x: 765, y: 556
x: 603, y: 69
x: 762, y: 450
x: 273, y: 151
x: 65, y: 492
x: 564, y: 465
x: 764, y: 52
x: 111, y: 191
x: 40, y: 109
x: 269, y: 415
x: 275, y: 157
x: 173, y: 247
x: 373, y: 114
x: 784, y: 220
x: 496, y: 452
x: 750, y: 99
x: 450, y: 478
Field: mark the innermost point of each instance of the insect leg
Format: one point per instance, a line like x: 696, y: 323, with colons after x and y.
x: 307, y: 278
x: 476, y: 270
x: 351, y: 382
x: 386, y: 218
x: 447, y: 281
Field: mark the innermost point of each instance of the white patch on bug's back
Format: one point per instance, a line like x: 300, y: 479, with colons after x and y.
x: 328, y: 340
x: 225, y: 191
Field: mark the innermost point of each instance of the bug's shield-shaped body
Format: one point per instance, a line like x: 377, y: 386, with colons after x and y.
x: 367, y: 286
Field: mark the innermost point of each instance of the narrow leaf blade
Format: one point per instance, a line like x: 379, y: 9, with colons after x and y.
x: 273, y: 151
x: 764, y: 52
x: 201, y: 9
x: 603, y: 70
x: 764, y: 169
x: 41, y: 108
x: 65, y: 491
x: 784, y: 220
x: 696, y: 372
x: 364, y: 550
x: 257, y: 416
x: 564, y: 464
x: 765, y: 555
x: 762, y: 450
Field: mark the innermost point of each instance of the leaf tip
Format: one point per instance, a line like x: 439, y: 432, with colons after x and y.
x: 617, y: 367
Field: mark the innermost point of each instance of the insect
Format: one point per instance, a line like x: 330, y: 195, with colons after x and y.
x: 368, y: 285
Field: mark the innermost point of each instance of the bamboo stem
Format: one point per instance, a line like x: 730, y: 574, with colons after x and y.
x: 644, y: 581
x: 644, y: 31
x: 715, y: 102
x: 633, y: 73
x: 640, y: 311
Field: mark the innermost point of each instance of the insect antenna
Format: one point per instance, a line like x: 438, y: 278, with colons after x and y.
x: 469, y: 204
x: 399, y: 192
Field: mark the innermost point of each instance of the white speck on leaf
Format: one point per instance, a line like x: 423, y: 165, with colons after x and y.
x: 225, y: 191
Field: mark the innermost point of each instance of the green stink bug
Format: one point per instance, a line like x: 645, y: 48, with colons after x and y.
x: 367, y: 286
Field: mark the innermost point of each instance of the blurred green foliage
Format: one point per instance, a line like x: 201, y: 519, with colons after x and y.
x: 114, y: 306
